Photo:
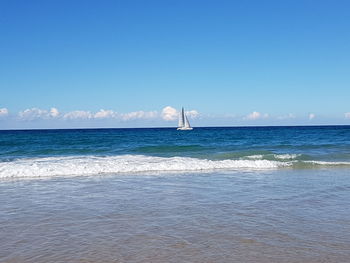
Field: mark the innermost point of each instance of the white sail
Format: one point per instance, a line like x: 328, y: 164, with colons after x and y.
x: 187, y: 123
x: 184, y: 124
x: 181, y: 118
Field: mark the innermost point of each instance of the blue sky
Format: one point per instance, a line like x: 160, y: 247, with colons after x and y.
x: 228, y: 62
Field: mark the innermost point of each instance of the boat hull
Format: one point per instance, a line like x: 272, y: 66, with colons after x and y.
x: 184, y: 129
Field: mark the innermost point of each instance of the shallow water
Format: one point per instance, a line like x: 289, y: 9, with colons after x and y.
x: 284, y: 215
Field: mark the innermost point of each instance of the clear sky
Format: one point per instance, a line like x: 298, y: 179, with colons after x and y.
x: 228, y: 62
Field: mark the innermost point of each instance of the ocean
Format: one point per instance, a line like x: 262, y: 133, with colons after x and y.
x: 223, y: 194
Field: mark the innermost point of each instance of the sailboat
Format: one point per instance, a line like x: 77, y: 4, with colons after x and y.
x: 184, y: 124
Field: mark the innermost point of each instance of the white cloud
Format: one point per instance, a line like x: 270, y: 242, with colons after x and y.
x: 4, y: 112
x: 30, y: 114
x: 54, y: 113
x: 33, y: 113
x: 104, y: 114
x: 169, y: 113
x: 36, y: 113
x: 347, y: 115
x: 312, y: 116
x: 78, y: 114
x: 192, y: 114
x: 255, y: 115
x: 125, y: 116
x: 139, y: 115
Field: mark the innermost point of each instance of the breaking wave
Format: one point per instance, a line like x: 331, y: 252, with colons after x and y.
x: 91, y: 165
x: 124, y: 164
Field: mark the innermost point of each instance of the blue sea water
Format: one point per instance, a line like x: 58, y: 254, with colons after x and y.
x: 38, y: 153
x: 252, y: 194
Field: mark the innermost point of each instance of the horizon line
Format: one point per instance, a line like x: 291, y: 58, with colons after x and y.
x: 172, y: 127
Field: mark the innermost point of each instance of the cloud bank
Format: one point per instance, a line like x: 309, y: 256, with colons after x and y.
x: 78, y: 114
x: 168, y: 113
x: 139, y: 115
x: 36, y: 113
x: 105, y: 114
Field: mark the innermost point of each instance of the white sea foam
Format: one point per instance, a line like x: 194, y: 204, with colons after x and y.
x: 255, y: 157
x: 276, y: 156
x: 286, y: 156
x: 91, y: 165
x: 328, y: 163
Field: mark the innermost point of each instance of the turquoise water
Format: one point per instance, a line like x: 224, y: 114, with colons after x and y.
x: 263, y: 194
x: 50, y: 153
